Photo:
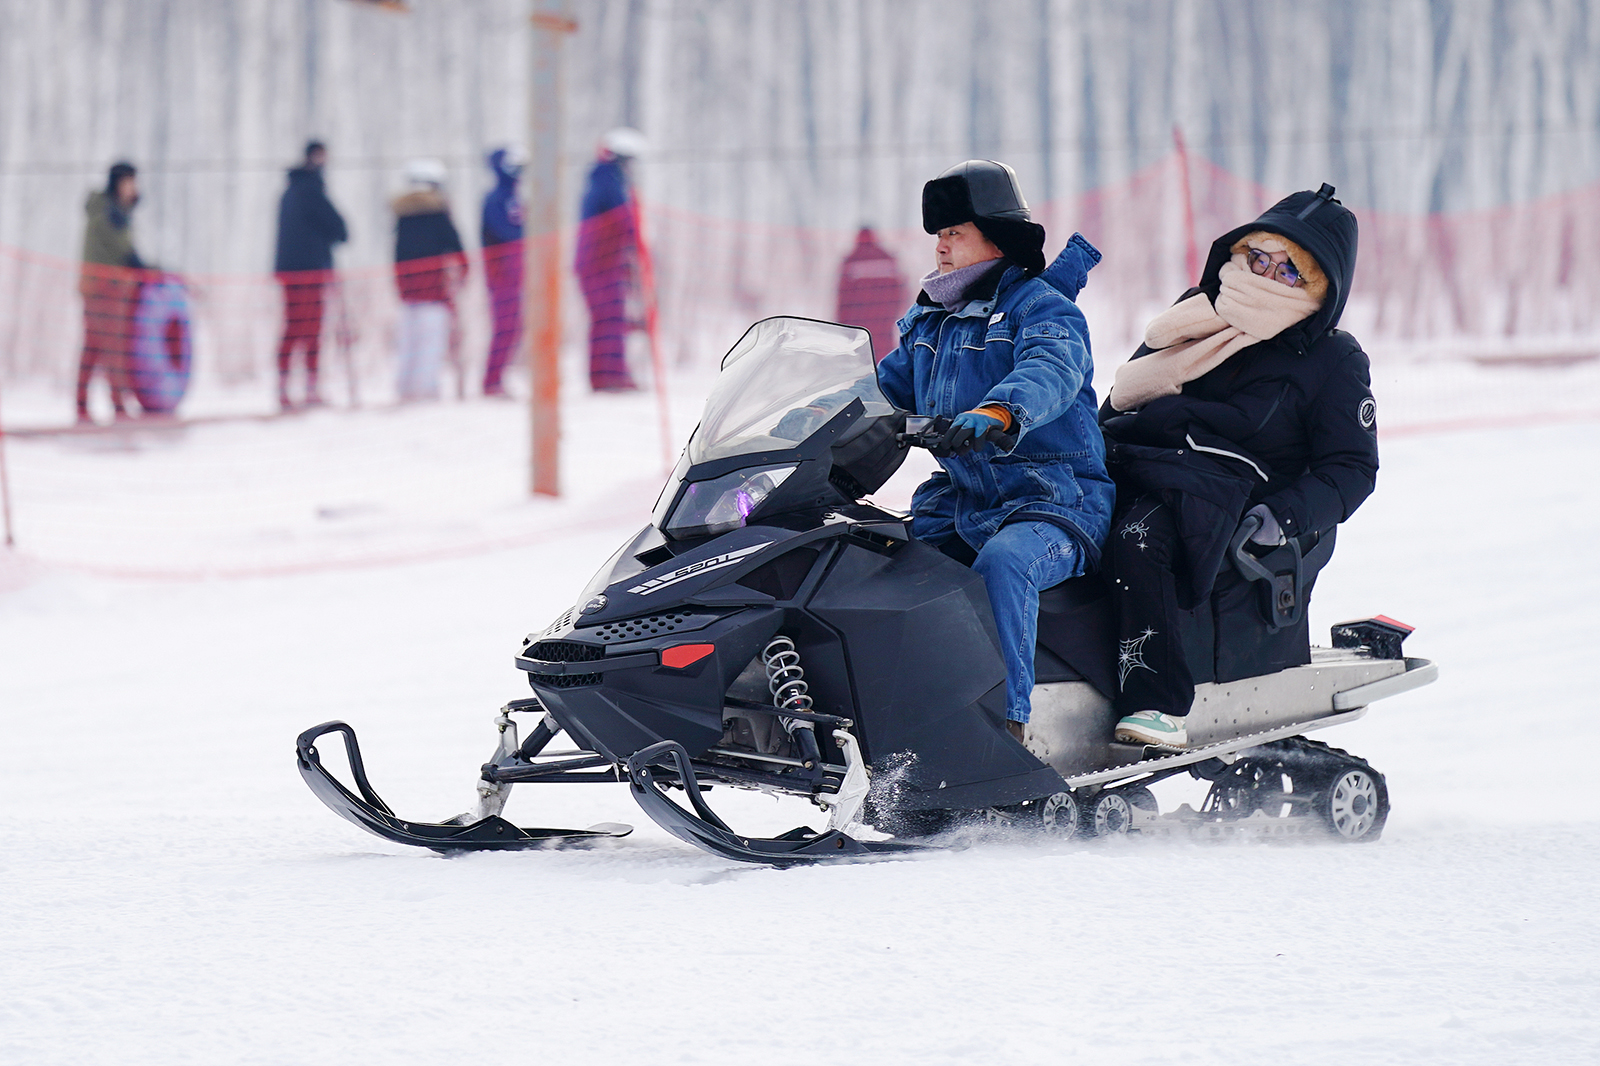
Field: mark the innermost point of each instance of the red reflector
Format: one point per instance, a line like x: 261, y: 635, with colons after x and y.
x: 686, y: 655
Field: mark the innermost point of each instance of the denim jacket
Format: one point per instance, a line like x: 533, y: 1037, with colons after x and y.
x: 1026, y: 347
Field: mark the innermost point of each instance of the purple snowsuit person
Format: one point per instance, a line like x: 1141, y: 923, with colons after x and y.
x: 608, y: 268
x: 502, y: 264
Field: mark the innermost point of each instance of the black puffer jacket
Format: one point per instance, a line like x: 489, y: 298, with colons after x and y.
x: 308, y: 224
x: 1289, y: 422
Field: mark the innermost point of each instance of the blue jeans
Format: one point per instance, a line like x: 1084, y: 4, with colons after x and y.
x: 1016, y: 563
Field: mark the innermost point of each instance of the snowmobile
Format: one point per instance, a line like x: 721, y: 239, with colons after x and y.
x: 772, y: 629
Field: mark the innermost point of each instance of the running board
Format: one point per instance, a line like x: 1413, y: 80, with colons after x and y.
x: 372, y: 814
x: 1072, y: 720
x: 1209, y: 751
x: 1418, y: 672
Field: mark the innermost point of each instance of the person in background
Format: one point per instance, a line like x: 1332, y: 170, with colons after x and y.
x: 109, y: 284
x: 502, y: 263
x: 872, y: 292
x: 608, y: 259
x: 308, y: 228
x: 429, y: 265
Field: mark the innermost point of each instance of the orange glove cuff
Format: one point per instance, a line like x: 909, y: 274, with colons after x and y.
x: 994, y: 410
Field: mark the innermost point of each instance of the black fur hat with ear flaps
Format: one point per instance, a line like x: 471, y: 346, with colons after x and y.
x: 986, y: 193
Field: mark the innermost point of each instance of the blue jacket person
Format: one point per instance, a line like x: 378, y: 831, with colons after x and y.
x: 995, y: 343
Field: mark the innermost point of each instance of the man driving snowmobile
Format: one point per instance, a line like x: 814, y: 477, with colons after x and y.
x: 1023, y: 494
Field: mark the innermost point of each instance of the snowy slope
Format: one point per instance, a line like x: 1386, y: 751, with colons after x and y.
x: 174, y: 894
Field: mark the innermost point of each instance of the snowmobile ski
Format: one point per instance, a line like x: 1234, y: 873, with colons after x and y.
x: 703, y: 828
x: 370, y: 812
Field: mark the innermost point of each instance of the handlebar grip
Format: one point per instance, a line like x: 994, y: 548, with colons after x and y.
x: 1247, y: 563
x: 1001, y: 439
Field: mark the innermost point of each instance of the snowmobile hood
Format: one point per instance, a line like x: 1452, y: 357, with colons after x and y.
x: 1319, y: 224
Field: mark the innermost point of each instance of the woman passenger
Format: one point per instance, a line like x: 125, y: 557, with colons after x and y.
x: 1245, y: 401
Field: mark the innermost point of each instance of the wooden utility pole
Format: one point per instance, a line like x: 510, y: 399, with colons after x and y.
x: 542, y: 243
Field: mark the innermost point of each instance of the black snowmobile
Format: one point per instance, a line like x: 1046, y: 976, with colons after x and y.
x: 771, y: 630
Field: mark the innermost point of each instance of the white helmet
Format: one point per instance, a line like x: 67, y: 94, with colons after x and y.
x: 625, y: 142
x: 425, y: 172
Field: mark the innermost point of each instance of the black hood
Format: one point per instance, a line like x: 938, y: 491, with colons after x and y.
x: 1319, y: 224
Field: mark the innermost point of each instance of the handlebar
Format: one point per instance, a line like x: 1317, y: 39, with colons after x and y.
x: 930, y: 432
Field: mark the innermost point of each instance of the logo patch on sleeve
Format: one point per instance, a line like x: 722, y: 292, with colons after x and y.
x: 1369, y: 412
x: 996, y: 317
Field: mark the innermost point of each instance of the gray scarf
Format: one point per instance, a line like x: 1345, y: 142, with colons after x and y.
x: 950, y: 289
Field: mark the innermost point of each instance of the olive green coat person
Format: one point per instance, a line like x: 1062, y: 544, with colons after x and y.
x: 107, y: 242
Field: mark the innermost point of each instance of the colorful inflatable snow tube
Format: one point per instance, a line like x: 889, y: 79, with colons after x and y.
x: 160, y: 350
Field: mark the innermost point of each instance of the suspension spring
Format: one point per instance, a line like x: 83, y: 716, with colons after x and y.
x: 785, y: 677
x: 786, y: 681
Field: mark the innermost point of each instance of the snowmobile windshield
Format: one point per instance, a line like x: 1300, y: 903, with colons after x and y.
x: 783, y: 380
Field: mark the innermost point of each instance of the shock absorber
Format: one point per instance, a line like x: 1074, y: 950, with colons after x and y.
x: 786, y: 681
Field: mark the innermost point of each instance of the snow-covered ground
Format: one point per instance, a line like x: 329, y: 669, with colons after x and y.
x: 172, y: 893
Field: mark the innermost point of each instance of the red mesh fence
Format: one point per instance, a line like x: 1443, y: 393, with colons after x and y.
x: 1521, y: 280
x: 1484, y: 318
x: 1516, y: 285
x: 1517, y: 281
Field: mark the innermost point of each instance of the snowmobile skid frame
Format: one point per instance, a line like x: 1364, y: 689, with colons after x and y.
x: 1249, y: 744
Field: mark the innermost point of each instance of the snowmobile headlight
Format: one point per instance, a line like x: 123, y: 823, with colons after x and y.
x: 708, y: 508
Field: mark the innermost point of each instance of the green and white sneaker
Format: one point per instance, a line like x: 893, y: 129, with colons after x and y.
x: 1153, y: 727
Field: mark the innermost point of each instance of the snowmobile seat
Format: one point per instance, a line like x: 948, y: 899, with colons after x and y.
x: 1077, y: 634
x: 1257, y: 621
x: 1077, y: 638
x: 1254, y: 623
